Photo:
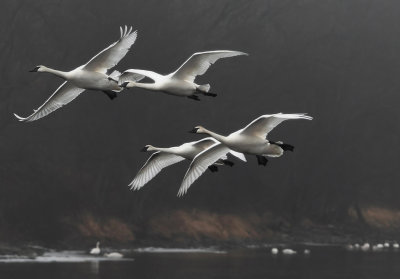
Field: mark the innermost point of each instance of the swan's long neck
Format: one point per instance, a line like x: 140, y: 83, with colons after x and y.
x: 216, y: 136
x: 149, y: 86
x: 61, y: 74
x: 161, y: 149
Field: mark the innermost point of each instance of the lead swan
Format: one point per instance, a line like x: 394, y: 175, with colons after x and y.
x: 93, y: 75
x: 251, y: 140
x: 164, y: 157
x: 181, y: 82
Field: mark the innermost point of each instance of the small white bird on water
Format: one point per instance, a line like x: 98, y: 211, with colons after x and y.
x: 288, y: 252
x: 93, y: 75
x: 365, y: 247
x: 396, y: 245
x: 252, y: 140
x: 274, y: 251
x: 181, y: 82
x: 164, y: 157
x: 96, y: 250
x: 114, y: 255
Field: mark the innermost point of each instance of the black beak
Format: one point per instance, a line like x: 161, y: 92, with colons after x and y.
x: 34, y: 70
x: 125, y: 84
x: 144, y: 149
x: 194, y: 130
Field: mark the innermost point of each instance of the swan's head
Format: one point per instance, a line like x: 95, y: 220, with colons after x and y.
x: 198, y: 130
x: 147, y: 148
x: 39, y: 68
x: 98, y: 244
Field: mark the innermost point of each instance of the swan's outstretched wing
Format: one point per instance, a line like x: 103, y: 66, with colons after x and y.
x: 264, y: 124
x: 136, y: 75
x: 109, y: 57
x: 62, y: 96
x: 199, y: 63
x: 201, y: 162
x: 152, y: 167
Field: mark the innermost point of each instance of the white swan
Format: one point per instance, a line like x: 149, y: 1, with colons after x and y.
x: 164, y: 157
x: 181, y: 82
x: 274, y: 251
x: 249, y: 140
x: 96, y: 250
x: 114, y: 255
x: 288, y: 252
x: 92, y: 75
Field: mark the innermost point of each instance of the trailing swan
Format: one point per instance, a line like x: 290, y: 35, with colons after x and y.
x: 181, y: 82
x: 164, y: 157
x: 252, y: 140
x: 93, y: 75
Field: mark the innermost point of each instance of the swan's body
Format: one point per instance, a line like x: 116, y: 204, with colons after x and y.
x: 164, y: 157
x: 181, y: 82
x: 92, y: 76
x: 251, y: 140
x: 96, y: 250
x: 288, y: 252
x: 114, y: 255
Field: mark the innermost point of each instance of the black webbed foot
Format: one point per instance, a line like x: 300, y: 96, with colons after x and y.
x: 194, y: 97
x: 262, y: 160
x: 210, y: 94
x: 228, y: 163
x: 213, y: 168
x: 111, y: 94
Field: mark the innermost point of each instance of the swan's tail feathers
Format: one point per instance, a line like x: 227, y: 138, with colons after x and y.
x: 204, y: 88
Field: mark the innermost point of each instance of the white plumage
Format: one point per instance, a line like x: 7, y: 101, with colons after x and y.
x: 164, y: 157
x: 93, y: 75
x: 249, y: 140
x: 96, y: 250
x: 180, y: 82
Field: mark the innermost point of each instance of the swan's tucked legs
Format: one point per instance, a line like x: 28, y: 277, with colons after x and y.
x: 262, y: 160
x: 228, y: 163
x: 110, y: 94
x: 213, y: 168
x: 194, y: 97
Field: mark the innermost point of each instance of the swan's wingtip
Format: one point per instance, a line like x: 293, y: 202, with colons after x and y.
x: 19, y: 117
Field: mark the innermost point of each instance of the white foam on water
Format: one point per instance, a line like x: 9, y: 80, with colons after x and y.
x: 61, y: 257
x: 178, y: 250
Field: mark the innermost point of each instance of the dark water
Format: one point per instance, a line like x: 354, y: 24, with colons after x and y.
x: 323, y: 262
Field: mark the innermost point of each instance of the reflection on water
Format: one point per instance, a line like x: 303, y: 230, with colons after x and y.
x: 323, y: 262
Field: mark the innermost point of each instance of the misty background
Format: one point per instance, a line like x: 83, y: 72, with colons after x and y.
x: 335, y: 60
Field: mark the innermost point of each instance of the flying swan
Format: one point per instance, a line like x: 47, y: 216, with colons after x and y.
x: 180, y: 82
x: 93, y: 75
x: 164, y: 157
x: 251, y: 140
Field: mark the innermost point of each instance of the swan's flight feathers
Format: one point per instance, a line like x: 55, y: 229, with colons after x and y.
x: 264, y: 124
x: 199, y: 63
x: 156, y: 162
x: 62, y: 96
x: 200, y: 164
x: 109, y: 57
